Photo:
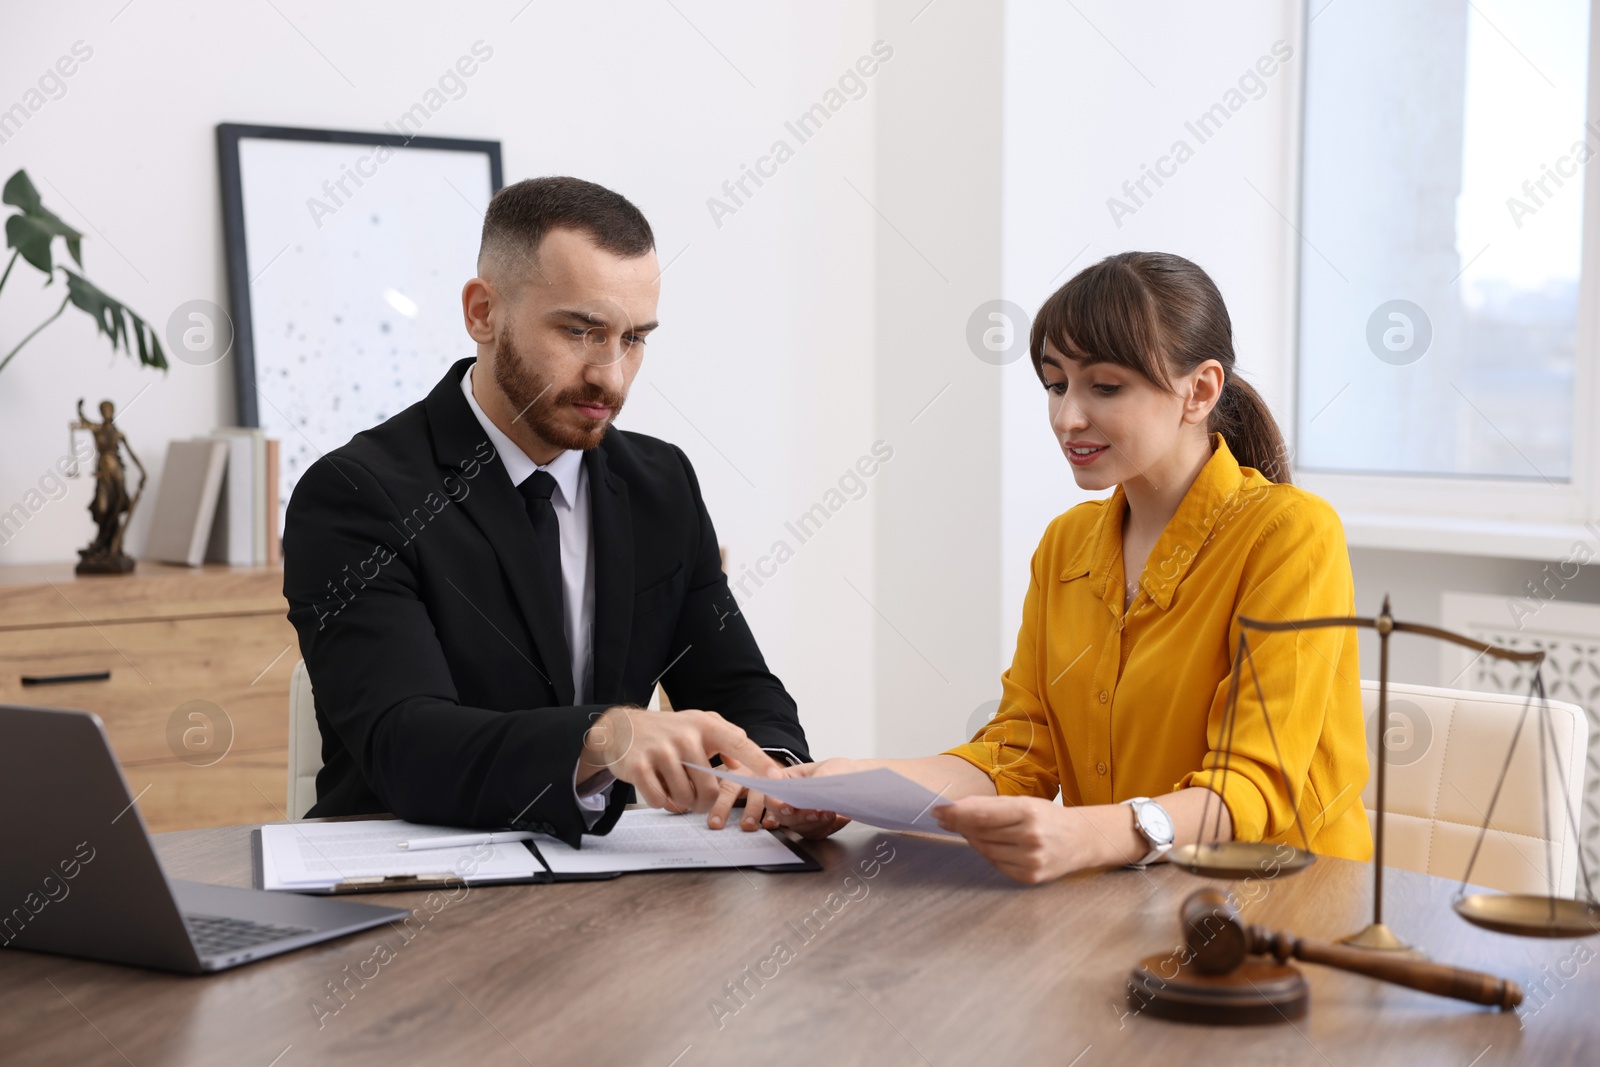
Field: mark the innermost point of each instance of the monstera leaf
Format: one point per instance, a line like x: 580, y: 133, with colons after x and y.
x: 32, y: 233
x: 113, y: 318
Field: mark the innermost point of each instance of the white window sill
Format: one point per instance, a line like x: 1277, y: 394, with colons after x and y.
x: 1454, y: 535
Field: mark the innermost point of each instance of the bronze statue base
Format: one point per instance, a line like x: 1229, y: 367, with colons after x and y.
x: 118, y: 564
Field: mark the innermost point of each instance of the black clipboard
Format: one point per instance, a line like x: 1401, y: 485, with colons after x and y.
x: 411, y: 883
x: 808, y: 863
x: 401, y: 883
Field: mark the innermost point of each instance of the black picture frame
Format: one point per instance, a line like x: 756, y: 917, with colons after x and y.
x: 236, y: 252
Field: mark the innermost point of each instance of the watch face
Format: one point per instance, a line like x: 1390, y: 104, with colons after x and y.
x: 1155, y: 822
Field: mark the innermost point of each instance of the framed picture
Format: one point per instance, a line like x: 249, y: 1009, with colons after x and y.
x: 346, y: 253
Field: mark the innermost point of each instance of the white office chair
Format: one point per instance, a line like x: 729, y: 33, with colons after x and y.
x: 305, y: 746
x: 1446, y: 750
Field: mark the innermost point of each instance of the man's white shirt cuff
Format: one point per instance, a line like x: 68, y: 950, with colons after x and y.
x: 593, y: 796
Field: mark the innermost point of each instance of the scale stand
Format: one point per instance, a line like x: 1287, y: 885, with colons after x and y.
x: 1376, y: 935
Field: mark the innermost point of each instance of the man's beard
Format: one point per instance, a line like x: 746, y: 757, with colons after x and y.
x: 549, y: 414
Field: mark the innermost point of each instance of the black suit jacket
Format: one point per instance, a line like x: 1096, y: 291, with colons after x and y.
x: 443, y: 684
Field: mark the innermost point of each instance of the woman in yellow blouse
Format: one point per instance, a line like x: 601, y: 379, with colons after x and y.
x: 1120, y: 678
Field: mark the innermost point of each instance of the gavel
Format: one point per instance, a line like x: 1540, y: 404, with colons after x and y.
x: 1219, y: 940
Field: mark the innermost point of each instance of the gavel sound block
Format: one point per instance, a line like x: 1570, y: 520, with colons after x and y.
x: 1219, y: 977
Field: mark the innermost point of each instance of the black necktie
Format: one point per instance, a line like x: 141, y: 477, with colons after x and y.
x: 536, y: 490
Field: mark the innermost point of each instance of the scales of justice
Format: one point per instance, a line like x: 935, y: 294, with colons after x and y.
x: 1229, y: 972
x: 112, y: 505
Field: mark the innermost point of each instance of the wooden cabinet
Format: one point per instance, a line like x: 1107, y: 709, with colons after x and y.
x: 197, y: 702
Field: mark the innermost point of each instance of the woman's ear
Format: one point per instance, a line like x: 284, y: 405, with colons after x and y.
x: 1205, y: 389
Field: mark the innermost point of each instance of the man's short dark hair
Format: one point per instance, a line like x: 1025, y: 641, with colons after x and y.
x: 520, y: 215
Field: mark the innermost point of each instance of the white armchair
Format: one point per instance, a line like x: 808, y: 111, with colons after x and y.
x: 1447, y: 748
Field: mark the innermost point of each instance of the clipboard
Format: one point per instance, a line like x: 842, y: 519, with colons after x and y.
x: 395, y: 883
x: 415, y: 883
x: 807, y: 864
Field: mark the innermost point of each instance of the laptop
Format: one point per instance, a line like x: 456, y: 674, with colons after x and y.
x: 79, y: 877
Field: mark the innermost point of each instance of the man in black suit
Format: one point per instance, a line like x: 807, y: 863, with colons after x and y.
x: 488, y: 586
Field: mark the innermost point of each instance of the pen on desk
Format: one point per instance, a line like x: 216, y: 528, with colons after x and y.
x: 498, y: 837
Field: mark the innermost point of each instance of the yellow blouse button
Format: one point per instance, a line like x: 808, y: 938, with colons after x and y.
x: 1101, y: 767
x: 1104, y: 696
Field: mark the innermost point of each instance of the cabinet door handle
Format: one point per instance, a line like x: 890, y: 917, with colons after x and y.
x: 62, y: 679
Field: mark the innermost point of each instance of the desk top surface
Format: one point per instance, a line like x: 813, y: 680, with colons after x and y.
x: 935, y: 958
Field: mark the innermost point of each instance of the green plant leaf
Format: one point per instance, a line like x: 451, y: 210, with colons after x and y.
x: 113, y: 320
x: 31, y: 235
x: 19, y: 191
x: 32, y: 240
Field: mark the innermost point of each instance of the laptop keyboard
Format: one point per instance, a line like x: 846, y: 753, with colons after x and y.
x: 215, y: 934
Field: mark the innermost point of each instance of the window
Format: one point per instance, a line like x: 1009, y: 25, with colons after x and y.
x: 1445, y: 363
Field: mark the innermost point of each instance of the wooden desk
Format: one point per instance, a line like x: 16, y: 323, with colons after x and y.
x: 936, y: 960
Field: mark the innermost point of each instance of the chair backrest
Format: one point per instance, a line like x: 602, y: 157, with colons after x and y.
x: 1447, y: 747
x: 305, y: 745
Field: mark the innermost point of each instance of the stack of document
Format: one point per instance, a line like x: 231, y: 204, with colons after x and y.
x: 325, y: 855
x: 357, y: 856
x: 659, y: 841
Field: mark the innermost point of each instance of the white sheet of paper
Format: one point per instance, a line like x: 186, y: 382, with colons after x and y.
x: 878, y: 797
x: 658, y: 840
x: 308, y: 855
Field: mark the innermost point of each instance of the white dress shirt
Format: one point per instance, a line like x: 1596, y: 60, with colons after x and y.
x: 571, y: 503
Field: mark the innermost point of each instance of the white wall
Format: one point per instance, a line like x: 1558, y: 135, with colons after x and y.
x: 766, y: 346
x: 821, y: 317
x: 1094, y: 93
x: 939, y: 242
x: 1414, y: 581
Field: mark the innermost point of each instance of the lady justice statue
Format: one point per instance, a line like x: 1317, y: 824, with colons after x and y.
x: 111, y: 507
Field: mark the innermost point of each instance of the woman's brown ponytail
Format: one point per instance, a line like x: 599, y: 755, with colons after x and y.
x: 1245, y: 422
x: 1157, y: 313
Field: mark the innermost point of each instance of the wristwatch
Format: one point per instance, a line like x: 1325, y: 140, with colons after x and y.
x: 1155, y: 825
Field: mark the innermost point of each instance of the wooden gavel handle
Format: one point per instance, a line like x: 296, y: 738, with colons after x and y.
x: 1437, y: 978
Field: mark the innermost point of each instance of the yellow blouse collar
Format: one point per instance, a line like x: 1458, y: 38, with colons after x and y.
x: 1207, y: 501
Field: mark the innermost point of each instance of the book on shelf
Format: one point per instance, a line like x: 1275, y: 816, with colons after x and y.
x: 274, y: 520
x: 233, y: 530
x: 236, y: 519
x: 186, y: 501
